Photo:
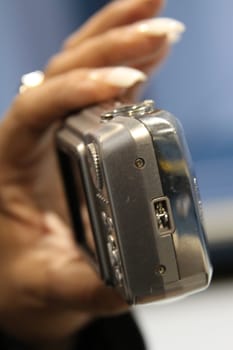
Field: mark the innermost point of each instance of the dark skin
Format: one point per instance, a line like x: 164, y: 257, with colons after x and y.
x: 48, y: 290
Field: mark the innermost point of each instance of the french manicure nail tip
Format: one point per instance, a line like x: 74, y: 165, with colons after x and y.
x: 163, y: 25
x: 174, y: 37
x: 120, y: 76
x: 125, y: 76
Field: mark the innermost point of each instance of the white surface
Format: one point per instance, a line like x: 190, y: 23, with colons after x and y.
x: 202, y: 321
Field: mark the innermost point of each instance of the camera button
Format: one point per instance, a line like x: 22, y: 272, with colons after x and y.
x: 110, y: 226
x: 113, y: 255
x: 118, y: 275
x: 104, y: 218
x: 111, y: 240
x: 107, y: 221
x: 116, y: 258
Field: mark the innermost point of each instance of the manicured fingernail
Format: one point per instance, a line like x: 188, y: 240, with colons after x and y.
x: 123, y: 77
x: 170, y: 27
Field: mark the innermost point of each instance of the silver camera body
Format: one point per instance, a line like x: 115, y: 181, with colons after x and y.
x: 134, y: 200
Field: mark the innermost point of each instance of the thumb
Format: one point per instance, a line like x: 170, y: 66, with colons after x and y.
x: 70, y: 281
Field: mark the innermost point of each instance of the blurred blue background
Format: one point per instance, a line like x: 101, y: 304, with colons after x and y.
x: 195, y: 83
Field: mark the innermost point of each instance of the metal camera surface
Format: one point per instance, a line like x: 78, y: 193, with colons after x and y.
x: 134, y: 201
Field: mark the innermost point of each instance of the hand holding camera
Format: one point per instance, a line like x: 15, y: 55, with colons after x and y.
x: 46, y: 279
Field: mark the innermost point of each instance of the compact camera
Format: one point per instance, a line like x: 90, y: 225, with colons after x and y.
x: 134, y: 201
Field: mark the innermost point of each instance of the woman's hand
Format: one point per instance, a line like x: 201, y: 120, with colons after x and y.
x: 123, y: 33
x: 48, y: 290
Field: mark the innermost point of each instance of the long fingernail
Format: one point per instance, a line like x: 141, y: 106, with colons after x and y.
x: 120, y: 76
x: 170, y: 27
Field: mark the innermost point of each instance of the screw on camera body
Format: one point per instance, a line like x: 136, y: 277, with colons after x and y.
x: 139, y: 163
x: 160, y: 270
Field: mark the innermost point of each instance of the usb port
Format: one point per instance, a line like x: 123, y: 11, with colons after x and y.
x: 163, y: 215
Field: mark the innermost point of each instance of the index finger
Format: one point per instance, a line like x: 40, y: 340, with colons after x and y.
x: 35, y: 110
x: 117, y: 13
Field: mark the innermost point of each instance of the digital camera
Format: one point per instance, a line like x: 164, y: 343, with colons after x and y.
x: 134, y: 200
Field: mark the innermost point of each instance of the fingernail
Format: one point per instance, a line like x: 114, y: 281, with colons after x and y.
x: 120, y: 76
x: 170, y: 27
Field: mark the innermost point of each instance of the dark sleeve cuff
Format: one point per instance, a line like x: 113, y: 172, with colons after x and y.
x: 112, y: 333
